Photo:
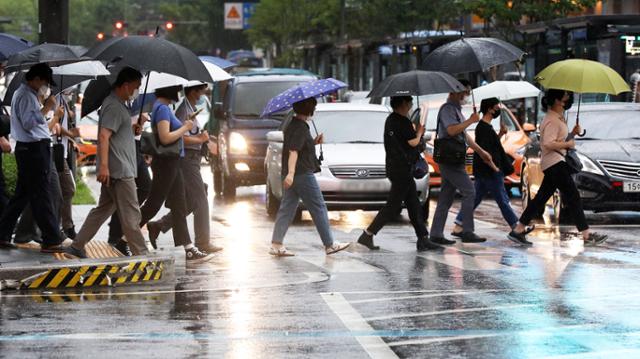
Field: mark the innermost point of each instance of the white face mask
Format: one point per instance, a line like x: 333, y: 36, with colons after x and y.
x: 465, y: 100
x: 44, y: 91
x: 134, y: 95
x: 201, y: 100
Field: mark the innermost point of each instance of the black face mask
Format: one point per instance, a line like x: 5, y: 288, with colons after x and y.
x: 496, y: 114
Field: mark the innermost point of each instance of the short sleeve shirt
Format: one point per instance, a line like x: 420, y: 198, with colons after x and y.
x: 297, y: 137
x: 400, y: 156
x: 162, y: 112
x: 114, y: 116
x: 182, y: 113
x: 553, y: 128
x: 450, y: 114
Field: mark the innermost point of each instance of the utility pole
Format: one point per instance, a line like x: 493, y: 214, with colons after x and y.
x: 53, y: 21
x: 342, y: 19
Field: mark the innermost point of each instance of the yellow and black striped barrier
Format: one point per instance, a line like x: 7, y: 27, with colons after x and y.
x: 135, y: 270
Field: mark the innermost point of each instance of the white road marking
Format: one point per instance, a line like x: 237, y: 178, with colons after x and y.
x: 373, y: 345
x: 385, y: 299
x: 450, y: 311
x: 338, y: 263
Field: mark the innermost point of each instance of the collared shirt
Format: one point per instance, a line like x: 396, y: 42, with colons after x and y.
x: 27, y: 122
x: 450, y: 114
x: 115, y: 116
x: 182, y: 113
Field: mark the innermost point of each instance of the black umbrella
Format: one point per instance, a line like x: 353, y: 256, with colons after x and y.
x: 62, y: 83
x: 51, y: 54
x: 471, y: 55
x: 417, y: 83
x: 152, y: 54
x: 11, y: 44
x: 94, y: 94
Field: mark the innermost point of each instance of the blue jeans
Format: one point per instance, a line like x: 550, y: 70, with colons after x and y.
x: 494, y: 185
x: 304, y: 187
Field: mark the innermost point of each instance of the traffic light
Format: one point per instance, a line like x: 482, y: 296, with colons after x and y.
x: 100, y: 36
x: 168, y: 25
x: 119, y: 25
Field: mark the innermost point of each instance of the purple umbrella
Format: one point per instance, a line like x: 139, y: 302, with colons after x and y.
x: 317, y: 88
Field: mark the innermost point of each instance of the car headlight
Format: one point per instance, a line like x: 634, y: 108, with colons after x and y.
x: 237, y: 144
x: 589, y: 166
x: 520, y: 151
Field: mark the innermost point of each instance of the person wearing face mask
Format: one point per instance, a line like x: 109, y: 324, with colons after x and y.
x: 117, y: 170
x: 195, y: 189
x: 555, y: 140
x: 401, y: 142
x: 31, y: 131
x: 451, y: 124
x: 487, y: 177
x: 168, y: 185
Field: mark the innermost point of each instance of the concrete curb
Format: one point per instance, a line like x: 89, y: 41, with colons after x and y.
x: 88, y: 273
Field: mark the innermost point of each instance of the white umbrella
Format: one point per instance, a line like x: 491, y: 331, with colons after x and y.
x: 84, y: 68
x: 162, y: 79
x: 216, y: 72
x: 506, y: 90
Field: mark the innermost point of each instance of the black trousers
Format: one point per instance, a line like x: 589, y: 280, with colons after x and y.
x: 143, y: 187
x: 4, y: 198
x: 168, y: 186
x: 403, y: 189
x: 557, y: 177
x: 33, y: 187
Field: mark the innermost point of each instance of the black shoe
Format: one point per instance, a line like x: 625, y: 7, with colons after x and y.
x: 470, y: 237
x: 7, y: 245
x: 73, y: 253
x: 528, y: 229
x: 442, y: 241
x: 367, y: 241
x: 425, y: 244
x: 195, y: 256
x: 519, y: 238
x: 154, y: 232
x: 210, y: 248
x: 123, y: 247
x: 456, y: 234
x: 596, y: 238
x: 70, y: 233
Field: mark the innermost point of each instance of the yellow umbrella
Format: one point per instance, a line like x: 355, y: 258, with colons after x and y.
x: 582, y: 76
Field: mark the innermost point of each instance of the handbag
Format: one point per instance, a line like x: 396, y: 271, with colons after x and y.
x: 449, y: 150
x: 573, y: 161
x: 150, y: 144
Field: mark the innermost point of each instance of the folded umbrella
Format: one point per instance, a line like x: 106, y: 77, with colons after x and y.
x: 51, y: 54
x: 417, y: 83
x: 286, y: 99
x: 506, y: 90
x: 471, y: 55
x: 11, y: 44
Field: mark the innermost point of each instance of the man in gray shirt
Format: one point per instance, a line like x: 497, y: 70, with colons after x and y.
x: 116, y: 166
x: 452, y: 124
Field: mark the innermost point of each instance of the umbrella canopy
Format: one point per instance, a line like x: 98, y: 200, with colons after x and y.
x: 152, y: 54
x: 417, y: 83
x: 11, y: 44
x: 582, y: 76
x: 216, y: 72
x: 51, y: 54
x: 84, y: 68
x: 94, y: 94
x: 471, y: 55
x: 506, y: 90
x: 218, y: 61
x: 317, y: 88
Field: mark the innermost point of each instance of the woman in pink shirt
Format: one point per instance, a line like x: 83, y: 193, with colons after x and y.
x: 555, y: 140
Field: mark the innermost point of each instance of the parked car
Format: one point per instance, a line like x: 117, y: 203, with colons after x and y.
x: 87, y: 147
x: 241, y: 141
x: 353, y: 172
x: 514, y: 142
x: 610, y: 155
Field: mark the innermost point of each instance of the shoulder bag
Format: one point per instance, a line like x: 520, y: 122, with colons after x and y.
x: 449, y: 150
x: 150, y: 143
x: 420, y: 167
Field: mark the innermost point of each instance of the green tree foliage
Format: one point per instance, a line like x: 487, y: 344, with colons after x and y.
x: 24, y: 18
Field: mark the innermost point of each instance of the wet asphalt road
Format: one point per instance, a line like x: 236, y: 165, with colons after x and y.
x: 557, y: 299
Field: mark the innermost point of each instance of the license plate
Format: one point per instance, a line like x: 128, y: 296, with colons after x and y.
x: 469, y: 169
x: 631, y: 187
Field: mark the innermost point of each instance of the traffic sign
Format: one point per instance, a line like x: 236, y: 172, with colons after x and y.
x: 248, y: 8
x: 233, y: 16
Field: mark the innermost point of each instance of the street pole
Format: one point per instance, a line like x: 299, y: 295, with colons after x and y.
x: 53, y: 21
x: 342, y: 19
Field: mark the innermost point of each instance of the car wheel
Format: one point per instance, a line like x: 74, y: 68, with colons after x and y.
x: 228, y: 187
x: 272, y: 203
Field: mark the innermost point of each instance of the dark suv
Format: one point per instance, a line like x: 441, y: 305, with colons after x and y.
x: 242, y: 141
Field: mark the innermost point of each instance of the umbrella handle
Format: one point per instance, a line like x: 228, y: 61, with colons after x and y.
x: 584, y: 132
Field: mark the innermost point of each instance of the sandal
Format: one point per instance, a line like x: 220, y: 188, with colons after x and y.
x: 282, y: 252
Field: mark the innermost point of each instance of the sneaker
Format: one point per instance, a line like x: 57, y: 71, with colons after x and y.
x: 123, y: 247
x: 70, y: 232
x: 470, y: 237
x: 367, y: 241
x: 441, y: 240
x: 210, y: 248
x: 426, y: 244
x: 196, y: 256
x: 519, y: 238
x: 528, y: 229
x: 336, y: 247
x: 154, y: 232
x: 52, y: 248
x: 596, y: 238
x: 74, y: 253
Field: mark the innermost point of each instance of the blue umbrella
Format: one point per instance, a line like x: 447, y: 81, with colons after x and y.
x: 11, y: 44
x: 218, y: 61
x: 317, y: 88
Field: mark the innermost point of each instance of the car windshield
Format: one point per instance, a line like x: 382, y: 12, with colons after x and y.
x: 432, y: 118
x: 608, y: 125
x: 350, y: 126
x: 251, y: 97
